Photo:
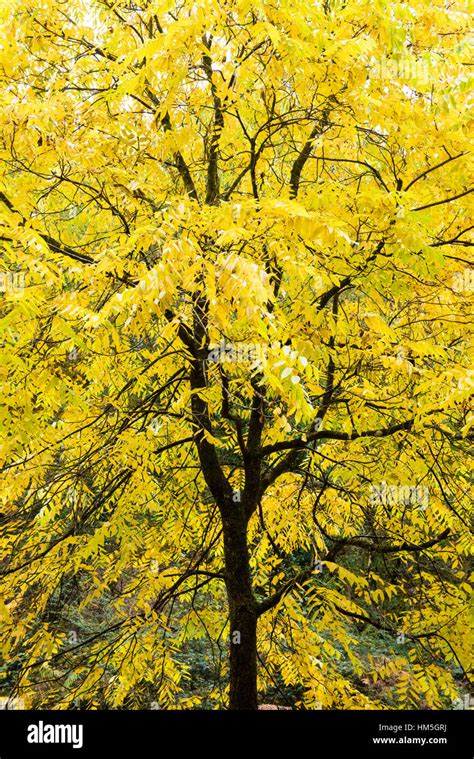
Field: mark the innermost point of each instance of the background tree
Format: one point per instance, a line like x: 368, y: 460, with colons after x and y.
x: 236, y: 383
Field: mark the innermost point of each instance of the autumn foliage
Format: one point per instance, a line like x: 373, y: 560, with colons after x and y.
x: 236, y: 358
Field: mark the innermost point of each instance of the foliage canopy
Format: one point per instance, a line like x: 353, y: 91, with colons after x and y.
x: 235, y: 385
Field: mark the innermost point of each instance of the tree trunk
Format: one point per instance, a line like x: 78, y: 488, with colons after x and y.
x: 243, y: 612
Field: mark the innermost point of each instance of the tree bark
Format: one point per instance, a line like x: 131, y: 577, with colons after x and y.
x: 242, y: 610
